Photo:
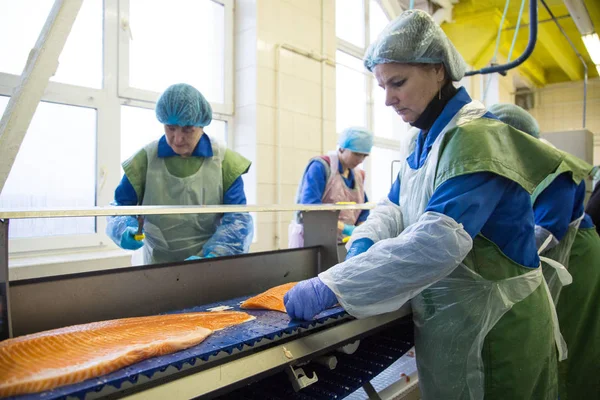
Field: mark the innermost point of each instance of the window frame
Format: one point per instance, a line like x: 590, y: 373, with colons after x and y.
x: 128, y: 92
x: 107, y: 102
x: 358, y: 52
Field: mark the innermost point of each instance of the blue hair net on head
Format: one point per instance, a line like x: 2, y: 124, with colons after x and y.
x: 356, y: 139
x: 183, y: 105
x: 414, y: 38
x: 516, y: 117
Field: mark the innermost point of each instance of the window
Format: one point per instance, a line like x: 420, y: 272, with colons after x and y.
x: 350, y: 92
x: 359, y: 99
x: 98, y: 109
x: 190, y: 44
x: 80, y: 62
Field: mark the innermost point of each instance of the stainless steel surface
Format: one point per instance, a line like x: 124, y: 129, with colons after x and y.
x: 320, y: 229
x: 166, y: 210
x: 239, y: 371
x: 48, y: 303
x: 371, y: 392
x: 5, y: 312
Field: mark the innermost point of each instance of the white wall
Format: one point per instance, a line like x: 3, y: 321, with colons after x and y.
x: 304, y: 111
x: 559, y: 107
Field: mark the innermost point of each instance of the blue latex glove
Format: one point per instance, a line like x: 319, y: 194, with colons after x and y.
x: 358, y: 247
x: 127, y: 240
x: 190, y: 258
x: 210, y: 255
x: 308, y: 298
x: 348, y: 229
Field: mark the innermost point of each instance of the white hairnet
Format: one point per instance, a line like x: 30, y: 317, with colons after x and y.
x: 415, y: 38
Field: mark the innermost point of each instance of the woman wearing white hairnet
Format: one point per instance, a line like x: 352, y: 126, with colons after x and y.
x: 574, y: 242
x: 335, y: 178
x: 185, y: 166
x: 455, y: 234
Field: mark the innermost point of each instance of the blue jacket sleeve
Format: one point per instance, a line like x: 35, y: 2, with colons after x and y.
x: 555, y: 205
x: 394, y: 194
x: 235, y: 231
x: 313, y: 183
x: 469, y: 199
x: 364, y: 214
x: 125, y: 193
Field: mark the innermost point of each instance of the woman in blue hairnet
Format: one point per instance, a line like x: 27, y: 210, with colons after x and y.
x: 335, y: 178
x: 574, y: 243
x: 185, y: 166
x: 455, y: 234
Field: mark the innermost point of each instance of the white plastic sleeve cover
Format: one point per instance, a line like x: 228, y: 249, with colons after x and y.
x: 395, y: 270
x: 384, y: 222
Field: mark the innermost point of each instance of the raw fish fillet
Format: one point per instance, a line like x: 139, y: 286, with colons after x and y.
x: 272, y: 299
x: 46, y: 360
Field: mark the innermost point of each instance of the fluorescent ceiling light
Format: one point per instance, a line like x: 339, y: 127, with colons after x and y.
x: 592, y: 44
x: 580, y: 15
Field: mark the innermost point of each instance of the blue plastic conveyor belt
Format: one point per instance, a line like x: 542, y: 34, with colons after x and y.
x: 268, y: 326
x: 375, y: 354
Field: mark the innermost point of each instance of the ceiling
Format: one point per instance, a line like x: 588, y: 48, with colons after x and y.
x: 475, y: 27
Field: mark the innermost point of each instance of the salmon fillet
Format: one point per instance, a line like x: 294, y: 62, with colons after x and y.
x: 272, y: 299
x: 46, y: 360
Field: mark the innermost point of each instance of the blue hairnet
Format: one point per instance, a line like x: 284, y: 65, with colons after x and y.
x: 356, y: 139
x: 516, y: 117
x: 183, y: 105
x: 414, y: 38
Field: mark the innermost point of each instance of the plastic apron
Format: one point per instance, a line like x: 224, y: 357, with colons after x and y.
x: 453, y: 316
x: 335, y: 191
x: 555, y: 261
x: 171, y: 238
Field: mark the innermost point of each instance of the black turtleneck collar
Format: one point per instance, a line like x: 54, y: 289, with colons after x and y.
x: 435, y: 107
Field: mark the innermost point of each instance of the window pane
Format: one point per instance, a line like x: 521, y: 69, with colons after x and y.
x: 377, y: 20
x: 351, y: 101
x: 350, y: 21
x: 386, y: 123
x: 139, y: 127
x: 55, y: 167
x: 381, y: 175
x: 178, y: 41
x: 80, y: 63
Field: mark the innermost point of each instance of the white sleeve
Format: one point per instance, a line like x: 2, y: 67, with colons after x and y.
x: 384, y: 222
x: 395, y: 270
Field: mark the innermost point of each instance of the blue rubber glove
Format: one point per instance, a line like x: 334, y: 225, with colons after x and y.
x: 127, y: 240
x: 211, y: 255
x: 348, y: 229
x: 358, y: 247
x: 190, y: 258
x: 308, y: 298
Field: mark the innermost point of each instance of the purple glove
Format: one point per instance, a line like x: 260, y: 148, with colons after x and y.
x: 308, y: 298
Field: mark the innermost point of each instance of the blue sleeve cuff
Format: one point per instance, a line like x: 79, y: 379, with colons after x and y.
x: 394, y: 194
x: 235, y: 194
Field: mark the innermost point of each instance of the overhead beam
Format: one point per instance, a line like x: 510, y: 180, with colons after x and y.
x: 41, y: 64
x: 550, y: 37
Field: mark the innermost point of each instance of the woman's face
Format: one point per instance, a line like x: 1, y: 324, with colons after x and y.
x: 183, y: 139
x: 409, y: 88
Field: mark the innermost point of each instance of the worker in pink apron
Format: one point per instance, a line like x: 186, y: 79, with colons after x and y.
x: 335, y: 178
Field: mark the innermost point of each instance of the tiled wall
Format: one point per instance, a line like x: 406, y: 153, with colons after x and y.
x: 285, y: 102
x: 559, y: 107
